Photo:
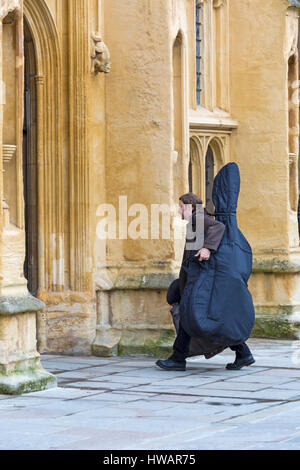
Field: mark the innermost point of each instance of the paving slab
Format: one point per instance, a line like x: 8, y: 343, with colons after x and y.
x: 128, y: 403
x: 156, y: 373
x: 238, y: 386
x: 263, y: 379
x: 280, y: 373
x: 114, y: 395
x: 288, y: 386
x: 119, y: 378
x: 108, y: 439
x: 65, y: 393
x: 100, y: 385
x: 176, y: 398
x: 84, y: 374
x: 218, y: 392
x: 189, y: 381
x: 63, y: 365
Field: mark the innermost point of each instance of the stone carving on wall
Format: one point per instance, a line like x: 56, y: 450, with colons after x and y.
x: 100, y: 55
x: 8, y: 6
x: 218, y: 3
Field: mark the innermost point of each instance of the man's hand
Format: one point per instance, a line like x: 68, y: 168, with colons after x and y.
x: 204, y: 254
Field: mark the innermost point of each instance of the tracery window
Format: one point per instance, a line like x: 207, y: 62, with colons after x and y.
x: 209, y: 65
x: 198, y: 52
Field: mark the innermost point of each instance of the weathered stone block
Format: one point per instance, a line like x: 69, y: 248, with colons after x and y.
x: 107, y: 342
x: 275, y: 326
x: 31, y: 380
x: 157, y: 343
x: 20, y: 368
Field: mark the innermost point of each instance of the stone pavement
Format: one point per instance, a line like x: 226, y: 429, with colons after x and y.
x: 128, y: 403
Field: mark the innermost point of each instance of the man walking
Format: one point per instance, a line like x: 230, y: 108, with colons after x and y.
x: 213, y: 234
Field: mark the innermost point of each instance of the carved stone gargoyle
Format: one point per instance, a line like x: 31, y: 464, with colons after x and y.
x: 100, y: 55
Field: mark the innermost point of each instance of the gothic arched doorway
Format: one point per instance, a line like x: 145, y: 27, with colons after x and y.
x: 42, y: 151
x: 30, y: 162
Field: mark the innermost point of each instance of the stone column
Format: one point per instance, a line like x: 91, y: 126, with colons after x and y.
x: 20, y: 368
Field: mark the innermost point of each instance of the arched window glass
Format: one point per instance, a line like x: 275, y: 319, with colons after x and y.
x: 198, y: 52
x: 191, y: 176
x: 195, y: 183
x: 209, y: 177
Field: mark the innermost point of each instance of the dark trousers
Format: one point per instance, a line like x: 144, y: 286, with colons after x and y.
x: 182, y: 342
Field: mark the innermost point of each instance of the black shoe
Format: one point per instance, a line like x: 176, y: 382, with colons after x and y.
x: 169, y: 364
x: 242, y: 362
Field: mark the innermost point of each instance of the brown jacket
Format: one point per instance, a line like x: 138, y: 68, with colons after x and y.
x: 213, y: 234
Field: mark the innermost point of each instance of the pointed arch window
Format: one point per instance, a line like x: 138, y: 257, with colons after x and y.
x: 198, y: 52
x: 191, y: 175
x: 209, y: 178
x: 195, y: 172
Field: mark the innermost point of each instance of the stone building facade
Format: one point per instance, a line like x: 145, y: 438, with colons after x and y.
x: 126, y: 103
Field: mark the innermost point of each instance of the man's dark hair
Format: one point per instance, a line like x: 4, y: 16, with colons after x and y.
x: 191, y: 198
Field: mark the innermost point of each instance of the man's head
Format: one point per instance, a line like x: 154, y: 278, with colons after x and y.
x: 187, y: 204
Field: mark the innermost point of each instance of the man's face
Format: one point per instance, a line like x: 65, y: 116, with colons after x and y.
x: 185, y: 210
